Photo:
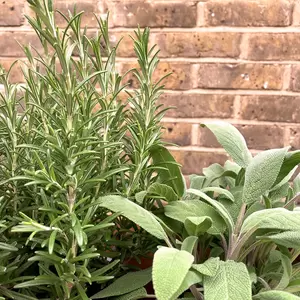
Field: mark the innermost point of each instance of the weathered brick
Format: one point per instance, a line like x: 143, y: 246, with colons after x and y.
x: 11, y: 12
x: 154, y: 14
x: 295, y: 137
x: 260, y: 137
x: 9, y: 46
x: 198, y: 44
x: 198, y: 105
x: 125, y: 47
x: 295, y: 78
x: 274, y: 46
x: 241, y: 76
x: 90, y: 7
x: 177, y: 133
x: 246, y: 13
x: 270, y: 108
x: 16, y: 75
x: 181, y: 77
x: 193, y: 162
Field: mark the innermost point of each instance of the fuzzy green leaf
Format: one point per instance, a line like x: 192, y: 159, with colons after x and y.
x: 218, y: 207
x: 189, y: 244
x: 164, y: 191
x: 287, y: 272
x: 232, y: 141
x: 171, y: 175
x: 135, y: 213
x: 262, y: 173
x: 275, y: 295
x: 191, y: 278
x: 220, y: 191
x: 181, y: 210
x: 209, y: 267
x: 125, y: 284
x: 289, y: 239
x: 232, y: 281
x: 170, y: 267
x: 275, y: 218
x: 197, y: 225
x: 140, y: 293
x: 140, y: 197
x: 4, y: 246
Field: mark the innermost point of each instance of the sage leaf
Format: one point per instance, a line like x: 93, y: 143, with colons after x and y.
x: 170, y: 267
x: 181, y: 210
x: 164, y: 191
x: 125, y: 284
x: 171, y: 175
x: 218, y: 206
x: 197, y: 225
x: 287, y: 272
x: 219, y: 191
x: 275, y: 218
x: 135, y: 213
x: 209, y: 267
x: 232, y: 141
x: 275, y: 295
x: 262, y: 173
x: 140, y: 293
x: 232, y: 281
x: 289, y: 239
x: 189, y: 244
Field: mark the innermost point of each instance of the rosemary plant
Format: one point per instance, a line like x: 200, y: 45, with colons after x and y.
x: 66, y: 139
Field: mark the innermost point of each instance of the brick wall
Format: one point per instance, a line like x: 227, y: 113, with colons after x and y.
x: 233, y: 60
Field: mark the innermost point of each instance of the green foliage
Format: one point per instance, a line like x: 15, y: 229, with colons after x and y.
x: 240, y: 225
x: 69, y: 138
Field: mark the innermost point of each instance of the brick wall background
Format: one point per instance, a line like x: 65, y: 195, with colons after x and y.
x: 235, y: 60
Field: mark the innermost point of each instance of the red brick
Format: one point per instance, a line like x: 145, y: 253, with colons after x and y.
x: 16, y: 75
x: 11, y: 13
x: 241, y: 76
x: 260, y: 137
x: 295, y: 79
x: 274, y: 46
x: 193, y: 162
x: 198, y: 44
x: 177, y: 133
x: 270, y: 108
x: 198, y: 105
x: 246, y: 13
x: 181, y: 77
x: 295, y: 137
x: 154, y: 14
x: 9, y: 42
x: 90, y: 7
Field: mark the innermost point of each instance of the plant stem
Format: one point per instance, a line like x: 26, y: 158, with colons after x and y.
x: 292, y: 200
x: 196, y: 293
x: 240, y: 219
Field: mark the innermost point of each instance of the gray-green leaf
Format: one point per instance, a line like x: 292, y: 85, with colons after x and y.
x: 197, y: 225
x: 289, y: 239
x: 125, y: 284
x: 232, y: 141
x: 135, y: 213
x: 209, y: 267
x: 231, y: 282
x: 275, y: 295
x: 262, y: 173
x: 140, y: 293
x: 275, y: 218
x: 164, y: 191
x: 170, y: 267
x: 181, y: 210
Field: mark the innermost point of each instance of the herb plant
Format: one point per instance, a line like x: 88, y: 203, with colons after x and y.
x: 66, y: 139
x: 235, y: 233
